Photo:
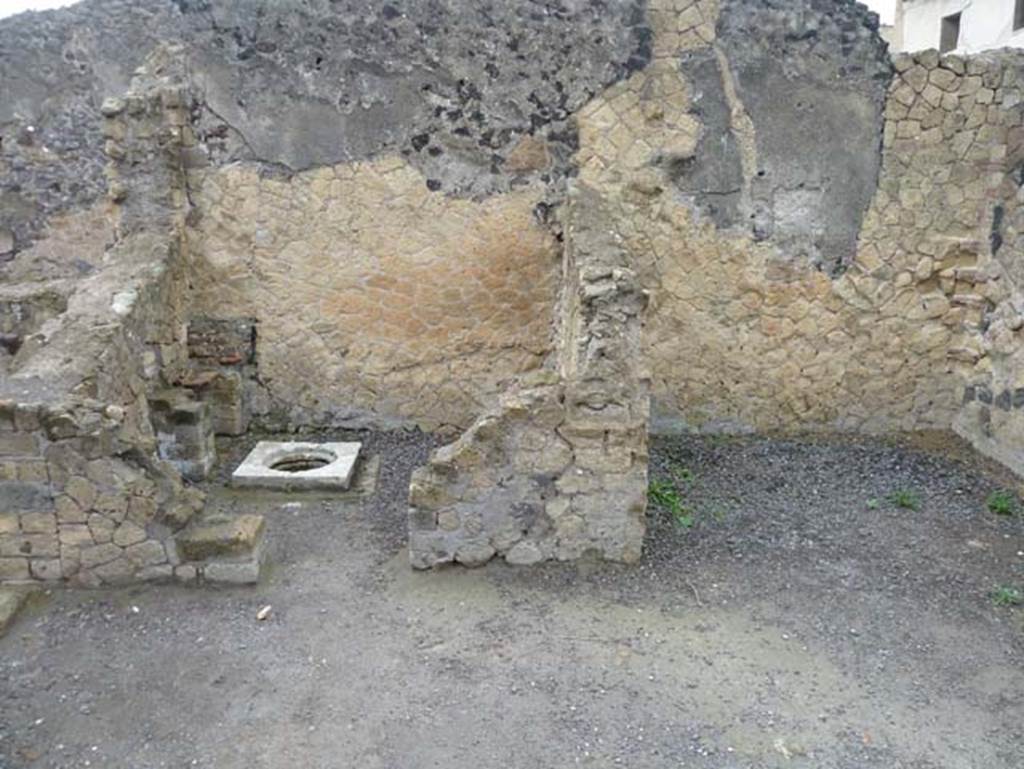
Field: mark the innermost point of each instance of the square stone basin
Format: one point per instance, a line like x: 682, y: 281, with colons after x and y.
x: 298, y: 465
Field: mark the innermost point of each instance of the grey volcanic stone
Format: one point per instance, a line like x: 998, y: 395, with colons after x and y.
x: 812, y: 76
x: 299, y: 83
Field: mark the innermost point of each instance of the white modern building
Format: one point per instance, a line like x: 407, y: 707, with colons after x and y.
x: 966, y: 26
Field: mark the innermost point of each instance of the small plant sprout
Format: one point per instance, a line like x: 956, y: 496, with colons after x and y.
x: 906, y: 499
x: 684, y: 518
x: 683, y: 474
x: 872, y: 504
x: 664, y: 495
x: 1002, y: 502
x: 1005, y: 595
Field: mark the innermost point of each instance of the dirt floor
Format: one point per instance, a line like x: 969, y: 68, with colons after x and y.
x: 802, y: 619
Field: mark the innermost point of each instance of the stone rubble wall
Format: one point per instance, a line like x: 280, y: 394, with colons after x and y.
x: 991, y: 416
x: 559, y: 469
x: 84, y: 497
x: 149, y: 141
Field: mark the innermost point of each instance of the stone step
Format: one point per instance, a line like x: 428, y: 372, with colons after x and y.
x: 222, y: 549
x: 225, y: 393
x: 184, y: 429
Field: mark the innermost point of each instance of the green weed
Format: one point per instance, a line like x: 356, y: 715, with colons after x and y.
x: 684, y: 518
x: 1002, y: 502
x: 664, y: 495
x: 1004, y: 595
x: 906, y: 499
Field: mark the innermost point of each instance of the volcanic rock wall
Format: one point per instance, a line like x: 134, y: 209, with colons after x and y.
x: 297, y: 84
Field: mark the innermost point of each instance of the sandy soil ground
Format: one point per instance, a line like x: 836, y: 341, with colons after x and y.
x: 802, y: 620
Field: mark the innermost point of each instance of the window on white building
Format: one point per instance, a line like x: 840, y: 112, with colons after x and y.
x: 949, y: 36
x: 1018, y: 14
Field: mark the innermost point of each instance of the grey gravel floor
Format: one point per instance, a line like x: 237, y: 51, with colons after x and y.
x: 802, y: 620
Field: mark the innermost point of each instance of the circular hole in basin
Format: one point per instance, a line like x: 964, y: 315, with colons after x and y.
x: 302, y: 460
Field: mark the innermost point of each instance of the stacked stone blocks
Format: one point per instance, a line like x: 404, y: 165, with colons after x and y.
x: 72, y: 509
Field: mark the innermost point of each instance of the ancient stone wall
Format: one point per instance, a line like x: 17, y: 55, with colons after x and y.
x: 559, y: 469
x: 373, y: 295
x: 772, y: 197
x: 991, y: 416
x: 830, y: 239
x: 84, y: 497
x: 750, y: 330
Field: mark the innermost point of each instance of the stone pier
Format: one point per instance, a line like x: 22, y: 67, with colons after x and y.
x: 559, y: 469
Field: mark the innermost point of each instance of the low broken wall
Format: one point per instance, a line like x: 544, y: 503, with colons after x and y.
x: 82, y: 496
x: 559, y: 469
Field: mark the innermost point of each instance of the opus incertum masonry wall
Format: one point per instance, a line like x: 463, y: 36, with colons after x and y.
x: 540, y: 229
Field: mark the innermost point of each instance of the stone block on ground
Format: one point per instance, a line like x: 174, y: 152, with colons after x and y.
x: 12, y: 600
x: 213, y: 538
x: 219, y: 549
x: 244, y: 571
